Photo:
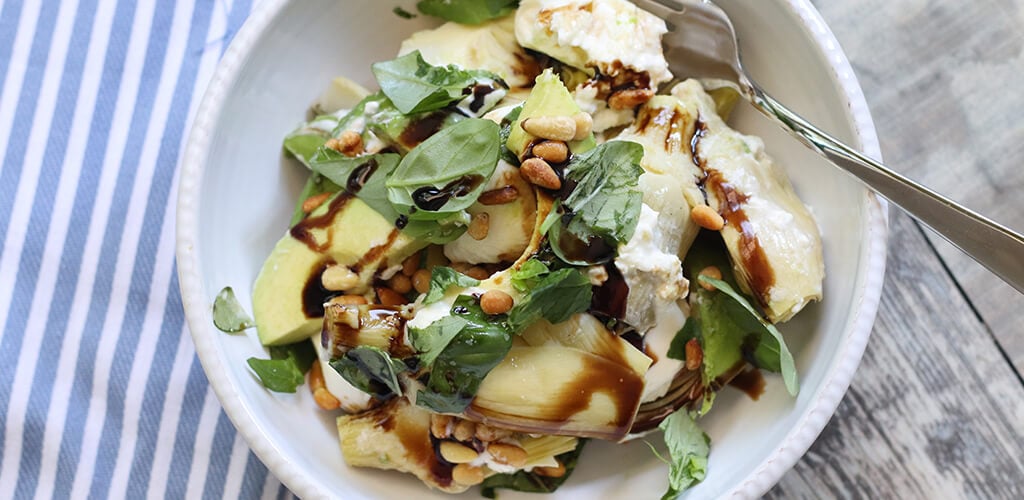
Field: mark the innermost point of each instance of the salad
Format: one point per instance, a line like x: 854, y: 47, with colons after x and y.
x: 531, y: 235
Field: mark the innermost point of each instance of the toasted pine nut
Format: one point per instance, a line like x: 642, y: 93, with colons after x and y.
x: 537, y: 171
x: 495, y: 302
x: 439, y: 425
x: 411, y: 264
x: 461, y: 267
x: 477, y: 273
x: 558, y: 471
x: 479, y: 226
x: 552, y: 151
x: 631, y: 98
x: 499, y: 196
x: 324, y: 399
x: 707, y: 218
x: 584, y: 125
x: 467, y: 474
x: 400, y: 283
x: 350, y: 300
x: 710, y: 272
x: 508, y: 454
x: 555, y: 128
x: 389, y: 297
x: 311, y: 203
x: 349, y: 143
x: 464, y: 430
x: 597, y: 274
x: 694, y: 355
x: 486, y: 433
x: 457, y: 453
x: 421, y: 281
x: 338, y: 278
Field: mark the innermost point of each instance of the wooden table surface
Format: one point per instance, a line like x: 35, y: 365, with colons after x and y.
x: 936, y: 409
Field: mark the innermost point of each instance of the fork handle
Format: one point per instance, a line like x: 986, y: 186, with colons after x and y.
x: 991, y: 244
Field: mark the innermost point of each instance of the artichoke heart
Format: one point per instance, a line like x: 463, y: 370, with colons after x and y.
x: 348, y: 326
x: 772, y: 240
x: 573, y: 391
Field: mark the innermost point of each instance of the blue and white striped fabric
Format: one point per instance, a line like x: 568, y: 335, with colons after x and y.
x: 101, y: 394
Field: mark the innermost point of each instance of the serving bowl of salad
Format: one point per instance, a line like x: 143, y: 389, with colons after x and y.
x: 498, y: 247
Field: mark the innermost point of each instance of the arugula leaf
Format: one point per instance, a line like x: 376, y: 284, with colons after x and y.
x: 688, y: 446
x: 530, y: 482
x: 603, y: 204
x: 445, y: 173
x: 467, y: 11
x: 528, y: 275
x: 228, y: 315
x: 414, y: 86
x: 556, y: 297
x: 371, y: 370
x: 748, y: 318
x: 285, y: 369
x: 467, y: 358
x: 442, y: 278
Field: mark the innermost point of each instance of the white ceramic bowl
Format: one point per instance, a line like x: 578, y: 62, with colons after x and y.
x: 237, y: 193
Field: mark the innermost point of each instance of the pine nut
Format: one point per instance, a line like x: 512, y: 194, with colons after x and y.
x: 486, y: 433
x: 400, y: 283
x: 694, y: 355
x: 421, y: 281
x: 338, y: 278
x: 499, y: 196
x: 349, y: 143
x: 311, y: 203
x: 495, y: 302
x: 464, y: 430
x: 477, y: 273
x: 552, y: 151
x: 597, y: 275
x: 628, y: 99
x: 324, y: 399
x: 584, y: 125
x: 467, y: 474
x: 389, y: 297
x: 555, y: 128
x: 350, y: 300
x: 508, y: 454
x: 457, y: 453
x: 479, y: 226
x: 439, y: 425
x: 537, y: 171
x: 710, y: 272
x: 707, y: 218
x: 557, y: 471
x: 411, y: 264
x: 461, y: 267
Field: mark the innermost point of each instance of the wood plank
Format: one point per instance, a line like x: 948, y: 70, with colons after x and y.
x: 944, y: 85
x: 934, y: 410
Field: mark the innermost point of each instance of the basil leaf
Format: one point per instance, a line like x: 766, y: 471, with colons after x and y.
x: 603, y: 204
x: 531, y: 482
x: 414, y: 86
x: 689, y: 331
x: 458, y: 369
x: 363, y: 176
x: 505, y: 131
x: 446, y: 173
x: 442, y: 278
x: 688, y: 446
x: 528, y: 275
x: 316, y: 184
x: 429, y: 342
x: 467, y: 11
x: 371, y: 370
x: 228, y: 315
x: 303, y: 145
x: 284, y: 372
x: 556, y: 297
x: 748, y: 318
x: 357, y: 119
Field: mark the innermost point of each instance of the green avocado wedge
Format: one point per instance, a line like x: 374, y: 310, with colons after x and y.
x: 549, y: 97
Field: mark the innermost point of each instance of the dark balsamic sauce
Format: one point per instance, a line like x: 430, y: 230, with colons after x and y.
x: 314, y: 294
x: 431, y: 199
x: 420, y: 129
x: 303, y: 231
x: 480, y: 93
x: 610, y: 298
x: 360, y: 176
x: 750, y: 382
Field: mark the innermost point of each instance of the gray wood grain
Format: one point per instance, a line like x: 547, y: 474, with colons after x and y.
x: 934, y: 411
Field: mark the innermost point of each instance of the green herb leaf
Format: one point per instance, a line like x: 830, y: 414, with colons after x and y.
x: 447, y: 172
x: 530, y: 482
x: 228, y: 315
x: 414, y: 86
x: 402, y: 13
x: 371, y: 370
x: 689, y: 331
x: 364, y: 176
x: 284, y: 371
x: 361, y: 114
x: 471, y: 354
x: 429, y: 342
x: 528, y: 275
x: 749, y: 319
x: 302, y: 144
x: 556, y: 297
x: 316, y: 184
x: 603, y: 204
x: 442, y: 278
x: 506, y: 129
x: 688, y: 447
x: 467, y: 11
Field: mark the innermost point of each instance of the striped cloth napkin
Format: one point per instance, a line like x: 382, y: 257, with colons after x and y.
x: 101, y: 394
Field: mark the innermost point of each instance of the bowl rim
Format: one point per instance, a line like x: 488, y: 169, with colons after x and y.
x: 196, y: 302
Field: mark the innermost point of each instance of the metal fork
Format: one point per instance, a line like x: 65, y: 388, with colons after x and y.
x: 702, y: 43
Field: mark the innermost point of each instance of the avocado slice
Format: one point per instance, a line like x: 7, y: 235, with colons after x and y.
x: 549, y: 97
x: 287, y: 297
